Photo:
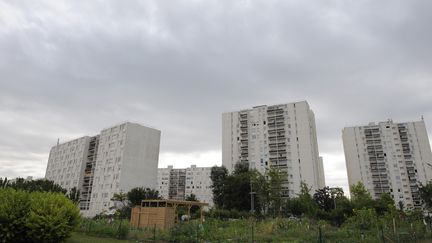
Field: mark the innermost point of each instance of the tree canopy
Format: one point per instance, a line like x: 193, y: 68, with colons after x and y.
x: 137, y: 194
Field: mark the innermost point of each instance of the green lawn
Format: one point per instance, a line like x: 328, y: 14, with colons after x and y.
x: 81, y: 238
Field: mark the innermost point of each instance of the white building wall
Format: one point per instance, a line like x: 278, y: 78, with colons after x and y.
x: 230, y: 128
x: 66, y: 163
x: 163, y: 180
x: 321, y: 173
x: 197, y: 182
x: 127, y: 157
x: 403, y: 159
x: 303, y: 162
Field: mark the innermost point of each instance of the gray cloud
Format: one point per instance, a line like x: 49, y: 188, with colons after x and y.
x: 70, y: 68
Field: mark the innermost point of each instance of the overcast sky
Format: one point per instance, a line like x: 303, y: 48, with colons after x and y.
x: 71, y: 68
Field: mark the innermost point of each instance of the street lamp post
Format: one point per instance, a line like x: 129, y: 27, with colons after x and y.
x: 252, y: 199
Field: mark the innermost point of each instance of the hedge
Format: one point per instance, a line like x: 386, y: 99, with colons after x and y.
x: 36, y: 216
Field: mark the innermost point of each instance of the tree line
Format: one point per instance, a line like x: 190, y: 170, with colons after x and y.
x: 233, y: 192
x: 40, y: 185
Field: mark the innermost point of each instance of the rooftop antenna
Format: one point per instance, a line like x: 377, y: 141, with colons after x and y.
x: 422, y: 118
x: 58, y: 141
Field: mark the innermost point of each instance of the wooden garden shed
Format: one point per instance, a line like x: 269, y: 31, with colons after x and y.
x: 161, y: 214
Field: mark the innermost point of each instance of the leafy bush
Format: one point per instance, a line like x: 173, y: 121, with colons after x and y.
x: 363, y: 219
x: 184, y: 232
x: 14, y: 211
x: 123, y: 230
x: 36, y: 216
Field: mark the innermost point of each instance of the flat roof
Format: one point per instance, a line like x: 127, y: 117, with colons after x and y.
x: 175, y: 202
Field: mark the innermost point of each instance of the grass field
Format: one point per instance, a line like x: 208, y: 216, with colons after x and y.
x: 81, y: 238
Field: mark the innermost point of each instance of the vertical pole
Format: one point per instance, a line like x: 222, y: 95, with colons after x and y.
x: 197, y: 233
x: 252, y: 198
x: 252, y: 232
x: 320, y: 235
x: 139, y: 217
x: 154, y: 233
x: 382, y: 234
x: 430, y: 223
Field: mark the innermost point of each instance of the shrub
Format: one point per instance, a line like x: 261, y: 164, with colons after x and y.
x: 14, y: 210
x: 36, y: 216
x: 363, y: 219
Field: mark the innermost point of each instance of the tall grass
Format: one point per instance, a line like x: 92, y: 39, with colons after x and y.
x: 246, y: 230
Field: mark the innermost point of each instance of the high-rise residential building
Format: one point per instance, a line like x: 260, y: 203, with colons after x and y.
x: 279, y: 136
x: 179, y: 183
x: 389, y: 158
x: 116, y: 160
x: 67, y: 162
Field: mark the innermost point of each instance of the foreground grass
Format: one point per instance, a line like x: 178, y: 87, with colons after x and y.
x: 247, y: 230
x: 81, y: 238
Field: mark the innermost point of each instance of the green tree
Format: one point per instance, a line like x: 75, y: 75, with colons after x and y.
x: 333, y: 206
x: 41, y: 185
x: 191, y: 197
x: 137, y: 194
x: 74, y: 195
x: 360, y: 197
x: 4, y: 182
x: 241, y: 167
x: 260, y: 187
x: 307, y: 201
x: 324, y: 199
x: 426, y: 195
x: 268, y: 189
x: 121, y: 207
x: 384, y: 204
x: 276, y: 179
x: 363, y: 219
x: 296, y: 207
x: 237, y: 191
x: 342, y: 211
x: 218, y: 176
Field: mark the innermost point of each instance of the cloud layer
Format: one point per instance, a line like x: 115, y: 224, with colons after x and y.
x: 70, y: 68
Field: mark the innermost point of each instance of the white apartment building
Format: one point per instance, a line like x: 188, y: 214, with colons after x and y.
x: 281, y: 136
x: 180, y: 183
x: 390, y: 158
x: 118, y: 159
x: 66, y: 163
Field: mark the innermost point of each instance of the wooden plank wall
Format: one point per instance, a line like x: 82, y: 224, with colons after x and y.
x: 149, y: 217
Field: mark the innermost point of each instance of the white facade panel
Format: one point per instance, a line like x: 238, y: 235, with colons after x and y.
x: 120, y: 158
x: 66, y: 163
x: 127, y: 157
x: 389, y: 158
x: 282, y: 136
x: 196, y: 180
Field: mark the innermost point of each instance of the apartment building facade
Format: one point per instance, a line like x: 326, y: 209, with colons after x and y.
x: 178, y: 184
x: 280, y: 136
x: 389, y: 157
x: 66, y: 163
x: 118, y: 159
